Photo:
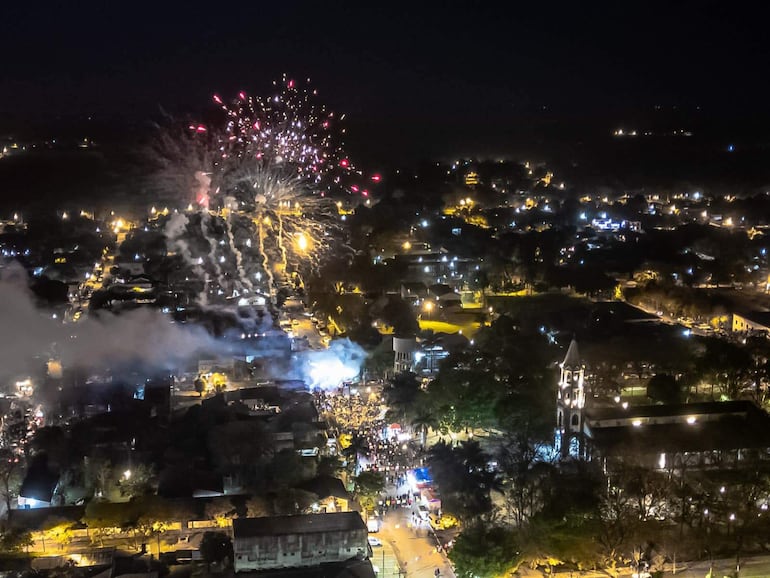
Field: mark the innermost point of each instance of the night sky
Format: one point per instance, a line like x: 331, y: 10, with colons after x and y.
x: 407, y: 76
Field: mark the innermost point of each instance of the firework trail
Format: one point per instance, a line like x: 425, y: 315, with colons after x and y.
x: 280, y: 160
x: 206, y: 220
x: 245, y: 282
x: 280, y: 157
x: 281, y: 246
x: 265, y: 262
x: 174, y: 231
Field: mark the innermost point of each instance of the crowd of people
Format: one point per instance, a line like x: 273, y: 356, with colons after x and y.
x: 358, y: 412
x: 352, y: 409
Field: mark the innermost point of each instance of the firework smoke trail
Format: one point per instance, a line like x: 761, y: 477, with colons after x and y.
x: 245, y: 282
x: 206, y: 218
x: 265, y: 261
x: 174, y: 232
x: 284, y: 259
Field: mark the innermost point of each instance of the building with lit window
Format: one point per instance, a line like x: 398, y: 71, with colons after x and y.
x: 722, y: 435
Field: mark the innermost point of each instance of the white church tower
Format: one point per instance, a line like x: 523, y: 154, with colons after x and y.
x: 570, y: 402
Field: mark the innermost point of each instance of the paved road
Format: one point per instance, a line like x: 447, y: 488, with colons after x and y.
x: 414, y: 545
x: 384, y: 559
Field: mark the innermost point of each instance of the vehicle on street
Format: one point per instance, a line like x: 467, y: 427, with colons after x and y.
x: 374, y: 542
x: 443, y: 522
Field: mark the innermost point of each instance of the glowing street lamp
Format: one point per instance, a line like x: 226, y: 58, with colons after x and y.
x: 302, y: 242
x: 428, y: 308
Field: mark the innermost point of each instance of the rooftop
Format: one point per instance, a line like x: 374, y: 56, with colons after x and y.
x: 325, y: 486
x: 643, y: 430
x: 302, y: 524
x: 728, y: 433
x: 572, y: 359
x: 680, y: 409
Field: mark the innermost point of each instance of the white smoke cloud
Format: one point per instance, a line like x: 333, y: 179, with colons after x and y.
x: 175, y: 231
x: 328, y: 368
x: 144, y: 337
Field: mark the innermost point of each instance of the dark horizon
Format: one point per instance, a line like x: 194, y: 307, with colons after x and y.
x: 432, y: 80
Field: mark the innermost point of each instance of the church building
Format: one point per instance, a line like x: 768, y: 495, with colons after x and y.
x: 570, y: 405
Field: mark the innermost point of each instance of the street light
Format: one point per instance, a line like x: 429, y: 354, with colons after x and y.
x: 302, y: 242
x: 428, y: 307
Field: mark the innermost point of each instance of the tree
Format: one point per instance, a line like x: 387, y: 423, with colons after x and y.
x: 482, y: 551
x: 423, y: 422
x: 617, y: 524
x: 401, y: 396
x: 647, y: 490
x: 400, y: 315
x: 15, y: 540
x: 106, y: 517
x: 527, y: 479
x: 99, y: 473
x: 57, y: 529
x: 10, y: 478
x: 216, y: 547
x: 284, y: 469
x: 290, y: 501
x: 220, y: 510
x: 566, y: 541
x: 358, y: 447
x: 664, y: 388
x: 727, y: 365
x: 329, y: 466
x: 503, y: 382
x: 462, y: 476
x: 257, y: 507
x: 137, y: 481
x: 156, y: 514
x: 478, y: 281
x: 239, y: 447
x: 368, y: 487
x: 379, y: 362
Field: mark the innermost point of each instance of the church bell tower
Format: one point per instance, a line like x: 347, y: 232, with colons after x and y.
x: 570, y: 402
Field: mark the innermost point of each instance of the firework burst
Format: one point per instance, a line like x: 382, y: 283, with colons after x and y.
x: 270, y: 165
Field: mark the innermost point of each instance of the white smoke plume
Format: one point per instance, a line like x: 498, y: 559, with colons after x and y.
x: 175, y: 231
x: 328, y: 368
x: 245, y: 282
x: 143, y: 337
x: 206, y: 220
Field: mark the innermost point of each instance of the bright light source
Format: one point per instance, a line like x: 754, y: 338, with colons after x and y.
x: 691, y: 419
